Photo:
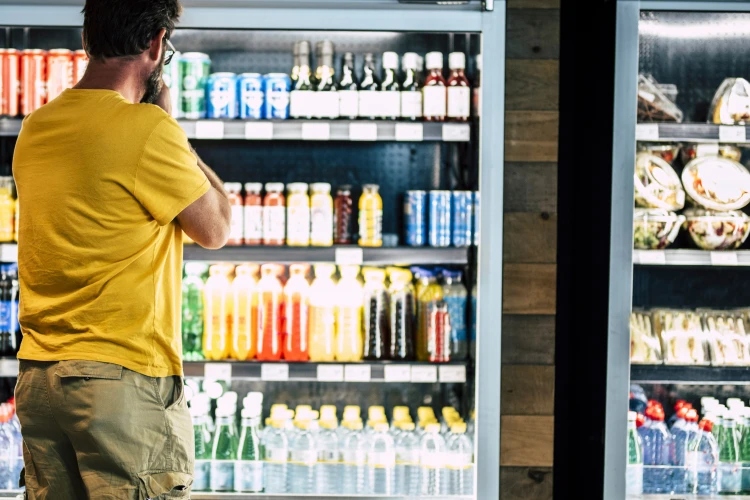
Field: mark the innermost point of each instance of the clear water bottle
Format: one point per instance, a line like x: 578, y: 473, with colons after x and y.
x: 8, y: 454
x: 703, y: 460
x: 353, y: 447
x: 460, y: 462
x: 381, y: 462
x: 226, y: 441
x: 303, y: 458
x: 683, y: 431
x: 275, y: 457
x: 431, y: 461
x: 657, y: 449
x: 329, y: 462
x: 634, y: 474
x: 454, y: 294
x: 200, y: 405
x: 407, y: 461
x: 248, y: 471
x: 14, y: 429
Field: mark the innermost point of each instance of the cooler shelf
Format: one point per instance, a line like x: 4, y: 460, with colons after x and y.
x: 692, y: 132
x: 686, y: 257
x: 690, y: 375
x: 269, y: 496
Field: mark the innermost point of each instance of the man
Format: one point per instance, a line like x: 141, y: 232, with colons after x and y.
x: 107, y: 182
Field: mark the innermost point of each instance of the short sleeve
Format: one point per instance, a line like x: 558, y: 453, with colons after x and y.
x: 168, y: 179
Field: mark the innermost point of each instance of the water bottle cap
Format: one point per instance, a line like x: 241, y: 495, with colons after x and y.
x: 706, y: 425
x: 682, y: 412
x: 640, y: 420
x: 406, y: 426
x: 355, y: 425
x: 691, y: 415
x: 329, y: 424
x: 381, y: 427
x: 459, y: 428
x: 679, y: 404
x: 432, y: 428
x: 253, y: 398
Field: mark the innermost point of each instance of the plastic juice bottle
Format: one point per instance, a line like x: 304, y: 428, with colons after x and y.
x: 429, y: 299
x: 370, y: 217
x: 455, y: 297
x: 297, y: 215
x: 402, y: 313
x: 253, y: 231
x: 376, y: 320
x: 234, y: 191
x: 274, y: 214
x: 321, y: 215
x: 322, y: 328
x: 296, y: 305
x: 192, y: 311
x: 7, y: 210
x: 245, y: 312
x: 217, y: 310
x: 434, y: 96
x: 349, y: 302
x: 269, y: 321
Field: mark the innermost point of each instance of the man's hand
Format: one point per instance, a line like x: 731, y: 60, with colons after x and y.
x: 164, y: 101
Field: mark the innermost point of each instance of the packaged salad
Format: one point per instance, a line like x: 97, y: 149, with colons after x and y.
x: 731, y: 103
x: 654, y: 228
x: 692, y: 151
x: 717, y: 183
x: 645, y: 346
x: 667, y: 152
x: 727, y: 334
x: 712, y: 230
x: 683, y: 339
x: 657, y: 185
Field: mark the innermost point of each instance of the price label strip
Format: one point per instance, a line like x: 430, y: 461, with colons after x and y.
x: 330, y: 373
x: 647, y: 132
x: 651, y: 257
x: 357, y: 373
x: 456, y: 132
x: 363, y: 132
x: 218, y: 371
x: 454, y: 374
x: 397, y: 373
x: 424, y: 374
x: 732, y: 133
x: 312, y: 131
x: 278, y: 372
x: 409, y: 132
x: 209, y: 129
x: 724, y: 259
x: 349, y: 256
x: 259, y: 131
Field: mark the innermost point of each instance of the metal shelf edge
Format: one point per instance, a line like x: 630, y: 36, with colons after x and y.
x: 687, y: 257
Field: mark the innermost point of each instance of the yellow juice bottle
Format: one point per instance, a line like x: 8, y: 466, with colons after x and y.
x: 322, y: 314
x: 217, y: 312
x: 370, y: 217
x: 349, y: 304
x: 297, y: 215
x: 7, y: 210
x: 245, y: 312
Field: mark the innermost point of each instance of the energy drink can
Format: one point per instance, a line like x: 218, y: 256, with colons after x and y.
x: 194, y: 70
x: 440, y: 218
x: 277, y: 87
x: 461, y: 210
x: 172, y: 81
x: 415, y: 215
x: 10, y: 82
x: 59, y: 72
x: 221, y: 90
x: 33, y: 81
x: 250, y: 96
x: 476, y: 218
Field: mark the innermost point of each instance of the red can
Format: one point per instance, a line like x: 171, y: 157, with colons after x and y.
x: 59, y: 72
x: 10, y: 83
x: 33, y: 80
x: 80, y: 61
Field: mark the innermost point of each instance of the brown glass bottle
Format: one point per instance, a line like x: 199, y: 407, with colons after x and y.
x: 433, y: 92
x: 459, y: 90
x: 343, y: 206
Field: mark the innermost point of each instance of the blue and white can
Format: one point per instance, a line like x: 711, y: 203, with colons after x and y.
x: 440, y: 218
x: 476, y: 218
x: 462, y: 209
x: 250, y: 96
x: 221, y: 90
x: 415, y: 218
x: 277, y: 87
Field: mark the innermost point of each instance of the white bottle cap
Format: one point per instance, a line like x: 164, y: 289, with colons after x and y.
x: 317, y: 187
x: 410, y: 60
x: 434, y: 60
x: 479, y: 62
x: 457, y: 60
x: 297, y: 187
x: 390, y: 60
x: 233, y: 187
x: 195, y: 268
x: 631, y: 416
x: 253, y: 187
x: 253, y: 399
x: 275, y: 186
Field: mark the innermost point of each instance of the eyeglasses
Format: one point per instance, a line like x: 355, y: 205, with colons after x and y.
x: 169, y: 53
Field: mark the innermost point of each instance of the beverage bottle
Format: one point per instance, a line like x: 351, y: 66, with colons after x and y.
x: 460, y: 463
x: 411, y: 92
x: 381, y: 462
x: 321, y: 215
x: 431, y: 461
x: 407, y: 461
x: 199, y: 408
x: 376, y: 319
x: 274, y: 214
x: 269, y: 329
x: 370, y: 217
x: 342, y: 213
x: 327, y: 413
x: 679, y: 404
x: 326, y: 98
x: 454, y: 295
x: 329, y: 464
x: 431, y: 341
x: 351, y: 414
x: 296, y: 305
x: 348, y: 89
x: 224, y: 451
x: 6, y: 312
x: 15, y: 327
x: 353, y: 446
x: 434, y: 97
x: 369, y: 104
x: 297, y: 215
x: 276, y: 456
x: 390, y: 88
x: 745, y: 452
x: 192, y: 311
x: 703, y: 459
x: 246, y: 311
x: 459, y: 90
x: 217, y: 307
x: 634, y: 477
x: 657, y: 447
x: 473, y: 340
x: 294, y: 75
x: 8, y: 453
x: 302, y: 98
x: 248, y: 472
x: 349, y: 305
x: 730, y: 471
x: 237, y: 227
x: 683, y: 432
x: 253, y: 215
x: 303, y: 458
x: 322, y: 328
x: 14, y: 427
x: 7, y: 210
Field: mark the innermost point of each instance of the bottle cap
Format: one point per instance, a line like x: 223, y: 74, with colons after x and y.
x: 329, y: 424
x: 327, y: 411
x: 400, y: 412
x: 381, y: 427
x: 390, y: 60
x: 457, y: 60
x: 706, y: 425
x: 233, y: 187
x: 631, y: 416
x: 410, y: 60
x: 434, y: 60
x: 247, y: 270
x: 297, y: 187
x: 274, y: 186
x: 682, y: 412
x: 679, y: 404
x: 370, y: 187
x: 691, y: 415
x: 253, y: 187
x: 278, y: 407
x: 406, y: 426
x: 195, y: 268
x: 344, y: 188
x: 432, y: 428
x: 320, y: 187
x: 458, y: 428
x: 355, y: 425
x: 324, y: 270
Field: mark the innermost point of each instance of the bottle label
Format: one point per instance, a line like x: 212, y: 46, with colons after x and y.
x: 321, y: 225
x: 201, y: 475
x: 329, y: 456
x: 457, y: 312
x: 407, y: 457
x: 298, y: 225
x: 371, y: 225
x: 434, y: 101
x: 353, y: 457
x: 348, y: 103
x: 303, y: 457
x: 274, y: 223
x: 730, y: 478
x: 302, y: 104
x: 222, y: 475
x: 369, y: 104
x: 459, y: 102
x: 248, y: 476
x: 237, y: 225
x: 431, y: 460
x: 253, y: 223
x: 326, y: 104
x: 276, y: 455
x: 384, y: 459
x: 411, y: 104
x: 459, y: 461
x: 390, y: 104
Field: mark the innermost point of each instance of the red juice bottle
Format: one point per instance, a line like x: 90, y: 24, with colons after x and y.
x: 296, y: 306
x: 269, y: 319
x: 459, y: 90
x: 434, y: 96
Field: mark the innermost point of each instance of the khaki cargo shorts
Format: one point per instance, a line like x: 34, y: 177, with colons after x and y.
x: 102, y: 432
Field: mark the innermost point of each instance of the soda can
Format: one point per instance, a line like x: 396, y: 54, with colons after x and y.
x: 59, y: 72
x: 193, y: 75
x: 10, y: 82
x: 277, y: 87
x: 476, y: 218
x: 251, y: 96
x: 440, y: 218
x: 222, y: 95
x: 172, y: 81
x: 80, y: 62
x: 461, y: 210
x: 415, y: 215
x: 33, y: 80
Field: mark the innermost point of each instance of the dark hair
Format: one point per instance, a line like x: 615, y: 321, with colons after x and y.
x: 121, y: 28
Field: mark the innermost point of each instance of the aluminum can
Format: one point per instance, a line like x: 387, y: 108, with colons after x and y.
x: 462, y: 207
x: 10, y: 82
x: 440, y: 218
x: 59, y: 72
x: 194, y: 70
x: 277, y: 87
x: 251, y: 96
x: 172, y: 81
x: 415, y: 218
x: 221, y: 90
x: 476, y: 218
x: 80, y: 62
x: 33, y: 80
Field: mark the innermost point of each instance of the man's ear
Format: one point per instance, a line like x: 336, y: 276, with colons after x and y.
x: 156, y: 49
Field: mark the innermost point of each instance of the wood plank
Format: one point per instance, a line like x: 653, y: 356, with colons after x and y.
x: 533, y: 34
x: 528, y: 339
x: 528, y: 390
x: 529, y: 288
x: 533, y: 4
x: 530, y: 187
x: 526, y: 441
x: 531, y: 136
x: 532, y: 84
x: 525, y: 483
x: 530, y: 238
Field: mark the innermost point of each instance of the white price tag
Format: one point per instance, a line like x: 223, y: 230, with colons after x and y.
x: 330, y: 373
x: 456, y: 132
x: 349, y: 256
x: 9, y: 252
x: 312, y: 131
x: 724, y: 259
x: 647, y: 132
x: 397, y: 373
x: 357, y: 373
x: 363, y: 132
x: 424, y: 374
x: 707, y: 150
x: 8, y: 367
x: 450, y: 373
x: 259, y: 131
x: 652, y: 257
x: 731, y: 133
x: 274, y: 371
x: 209, y: 129
x: 217, y: 371
x: 409, y: 132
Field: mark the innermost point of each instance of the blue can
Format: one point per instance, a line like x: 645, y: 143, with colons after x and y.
x: 221, y: 90
x: 277, y: 88
x: 250, y: 96
x: 415, y: 218
x: 476, y: 218
x: 461, y: 209
x: 440, y: 218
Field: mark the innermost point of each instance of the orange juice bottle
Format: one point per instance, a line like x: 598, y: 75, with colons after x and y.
x: 245, y: 312
x: 269, y: 320
x: 370, y: 217
x: 216, y: 311
x: 322, y: 328
x: 349, y: 302
x: 296, y: 304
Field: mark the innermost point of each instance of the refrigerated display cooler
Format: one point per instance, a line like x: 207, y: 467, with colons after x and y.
x: 395, y: 153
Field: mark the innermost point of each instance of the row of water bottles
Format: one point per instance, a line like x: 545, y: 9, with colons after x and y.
x: 304, y: 451
x: 11, y: 447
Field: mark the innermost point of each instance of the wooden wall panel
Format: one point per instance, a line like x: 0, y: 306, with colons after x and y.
x: 530, y: 238
x: 530, y: 187
x: 528, y: 340
x: 531, y: 136
x: 533, y: 34
x: 523, y: 483
x: 529, y: 288
x: 533, y: 4
x: 528, y: 389
x: 532, y: 85
x: 526, y: 441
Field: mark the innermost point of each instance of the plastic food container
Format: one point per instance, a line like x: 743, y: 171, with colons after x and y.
x: 711, y: 230
x: 693, y: 151
x: 657, y: 185
x: 731, y: 103
x: 654, y: 105
x: 645, y: 346
x: 654, y: 228
x: 727, y: 334
x: 667, y: 152
x: 717, y: 183
x: 682, y: 337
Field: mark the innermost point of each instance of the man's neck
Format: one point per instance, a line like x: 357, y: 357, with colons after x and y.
x: 122, y: 76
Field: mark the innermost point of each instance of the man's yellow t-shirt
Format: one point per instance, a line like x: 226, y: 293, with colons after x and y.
x: 100, y: 181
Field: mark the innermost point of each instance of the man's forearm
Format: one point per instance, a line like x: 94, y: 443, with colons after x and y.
x: 212, y: 177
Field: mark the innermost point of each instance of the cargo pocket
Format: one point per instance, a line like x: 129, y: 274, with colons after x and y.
x: 88, y: 370
x: 165, y: 485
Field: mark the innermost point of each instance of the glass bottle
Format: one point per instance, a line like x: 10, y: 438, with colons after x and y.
x: 269, y: 322
x: 433, y: 92
x: 402, y: 314
x: 326, y: 98
x: 246, y: 312
x: 295, y: 66
x: 342, y: 214
x: 296, y: 304
x: 459, y: 90
x: 248, y: 472
x: 369, y: 105
x: 321, y: 215
x: 199, y: 408
x: 348, y: 92
x: 224, y: 451
x: 298, y: 215
x: 454, y: 293
x: 192, y: 311
x: 322, y: 326
x: 390, y: 88
x: 411, y: 92
x: 302, y: 98
x: 370, y: 217
x: 376, y: 319
x: 745, y: 454
x: 349, y: 305
x: 730, y: 472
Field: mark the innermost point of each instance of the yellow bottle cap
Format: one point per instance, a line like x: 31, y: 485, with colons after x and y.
x: 406, y: 426
x: 432, y: 428
x: 458, y: 428
x: 329, y: 424
x: 381, y: 427
x: 355, y: 425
